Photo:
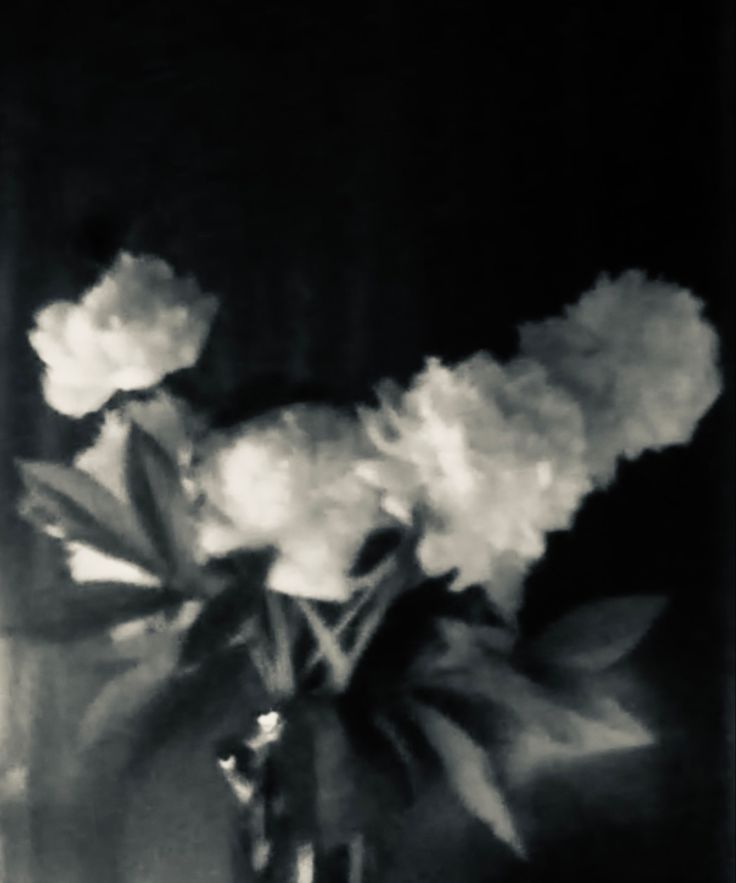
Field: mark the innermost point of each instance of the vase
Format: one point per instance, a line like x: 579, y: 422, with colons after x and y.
x: 291, y: 779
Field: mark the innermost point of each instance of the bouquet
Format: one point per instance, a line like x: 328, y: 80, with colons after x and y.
x: 350, y: 577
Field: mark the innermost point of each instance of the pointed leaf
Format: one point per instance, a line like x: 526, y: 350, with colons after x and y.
x: 114, y: 710
x: 85, y: 511
x: 542, y: 726
x: 338, y: 803
x: 73, y: 612
x: 536, y: 748
x: 155, y: 491
x: 220, y: 620
x: 470, y: 774
x: 597, y: 635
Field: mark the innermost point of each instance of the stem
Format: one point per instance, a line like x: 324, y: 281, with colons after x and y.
x: 328, y: 644
x: 283, y: 665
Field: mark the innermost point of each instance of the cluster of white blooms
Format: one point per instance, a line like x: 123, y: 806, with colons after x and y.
x: 639, y: 359
x: 492, y: 456
x: 484, y: 458
x: 139, y: 323
x: 289, y: 480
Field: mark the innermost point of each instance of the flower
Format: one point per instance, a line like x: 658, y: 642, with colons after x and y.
x: 289, y: 480
x: 491, y: 456
x: 640, y: 360
x: 137, y: 324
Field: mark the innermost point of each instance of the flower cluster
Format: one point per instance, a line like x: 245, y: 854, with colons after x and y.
x: 289, y: 480
x: 482, y: 459
x: 205, y: 555
x: 639, y: 359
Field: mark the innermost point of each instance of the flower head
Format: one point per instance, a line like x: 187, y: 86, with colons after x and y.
x: 289, y: 480
x: 491, y: 455
x: 640, y: 360
x: 139, y: 323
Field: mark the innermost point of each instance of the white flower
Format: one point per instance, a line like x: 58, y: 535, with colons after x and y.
x: 138, y: 324
x: 640, y: 360
x: 493, y: 458
x: 289, y: 479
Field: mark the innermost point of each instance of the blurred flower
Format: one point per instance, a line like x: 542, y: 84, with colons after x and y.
x: 491, y: 456
x: 289, y: 479
x: 640, y: 360
x: 136, y: 325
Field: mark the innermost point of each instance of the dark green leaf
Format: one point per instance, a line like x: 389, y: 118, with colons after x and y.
x: 470, y: 773
x: 73, y: 612
x: 155, y: 491
x: 597, y: 635
x: 86, y: 512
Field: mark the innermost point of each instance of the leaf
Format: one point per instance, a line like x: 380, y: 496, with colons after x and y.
x: 597, y: 635
x: 470, y: 773
x: 221, y: 619
x: 338, y: 801
x: 535, y: 748
x: 541, y: 726
x: 220, y: 690
x: 155, y: 491
x: 378, y: 545
x: 86, y: 512
x: 73, y: 612
x: 114, y: 710
x: 463, y: 640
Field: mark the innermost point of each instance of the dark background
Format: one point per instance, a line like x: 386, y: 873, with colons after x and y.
x: 363, y: 188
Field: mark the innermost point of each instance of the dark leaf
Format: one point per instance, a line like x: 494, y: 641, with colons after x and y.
x: 378, y: 546
x: 338, y: 799
x: 199, y: 697
x: 73, y: 612
x: 115, y: 709
x: 155, y: 491
x: 220, y: 620
x: 86, y: 512
x: 596, y: 635
x: 541, y: 726
x: 470, y: 774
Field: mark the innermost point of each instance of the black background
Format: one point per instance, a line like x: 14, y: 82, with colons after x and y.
x: 367, y: 186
